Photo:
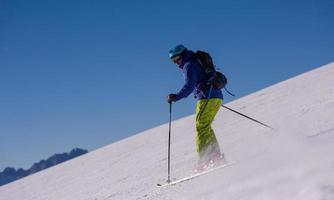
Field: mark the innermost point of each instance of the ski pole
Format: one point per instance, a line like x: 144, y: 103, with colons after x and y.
x: 169, y: 138
x: 247, y: 117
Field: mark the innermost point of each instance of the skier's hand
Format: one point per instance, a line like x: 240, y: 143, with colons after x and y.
x: 171, y: 98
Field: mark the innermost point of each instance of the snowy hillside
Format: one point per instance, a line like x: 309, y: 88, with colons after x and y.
x: 293, y: 162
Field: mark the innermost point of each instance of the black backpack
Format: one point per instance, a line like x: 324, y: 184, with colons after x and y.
x: 216, y: 79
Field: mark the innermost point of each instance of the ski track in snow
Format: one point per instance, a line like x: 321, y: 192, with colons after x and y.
x: 294, y: 161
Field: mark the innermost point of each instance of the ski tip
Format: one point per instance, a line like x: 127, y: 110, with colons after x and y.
x: 164, y: 184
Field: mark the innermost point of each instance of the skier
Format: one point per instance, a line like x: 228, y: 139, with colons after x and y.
x: 208, y: 104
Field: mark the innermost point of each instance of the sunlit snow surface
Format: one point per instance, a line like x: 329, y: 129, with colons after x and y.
x: 293, y: 162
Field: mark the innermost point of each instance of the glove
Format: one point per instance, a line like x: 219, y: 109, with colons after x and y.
x: 171, y: 98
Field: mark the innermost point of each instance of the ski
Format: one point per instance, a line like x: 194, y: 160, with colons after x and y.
x: 195, y: 175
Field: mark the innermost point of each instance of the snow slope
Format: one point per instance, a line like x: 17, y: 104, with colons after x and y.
x: 293, y: 162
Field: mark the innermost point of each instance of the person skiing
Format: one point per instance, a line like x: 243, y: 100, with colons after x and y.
x: 208, y: 104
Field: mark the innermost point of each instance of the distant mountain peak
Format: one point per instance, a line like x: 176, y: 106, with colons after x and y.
x: 10, y: 174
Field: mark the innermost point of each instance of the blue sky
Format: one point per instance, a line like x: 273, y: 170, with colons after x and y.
x: 89, y: 73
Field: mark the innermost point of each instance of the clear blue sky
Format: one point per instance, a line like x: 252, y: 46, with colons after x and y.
x: 89, y: 73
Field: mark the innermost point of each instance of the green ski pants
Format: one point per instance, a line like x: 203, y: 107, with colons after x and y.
x: 206, y: 140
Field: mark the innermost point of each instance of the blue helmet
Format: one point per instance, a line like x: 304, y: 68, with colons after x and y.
x: 176, y: 51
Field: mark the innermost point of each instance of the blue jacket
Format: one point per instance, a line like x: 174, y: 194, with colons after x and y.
x: 194, y: 74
